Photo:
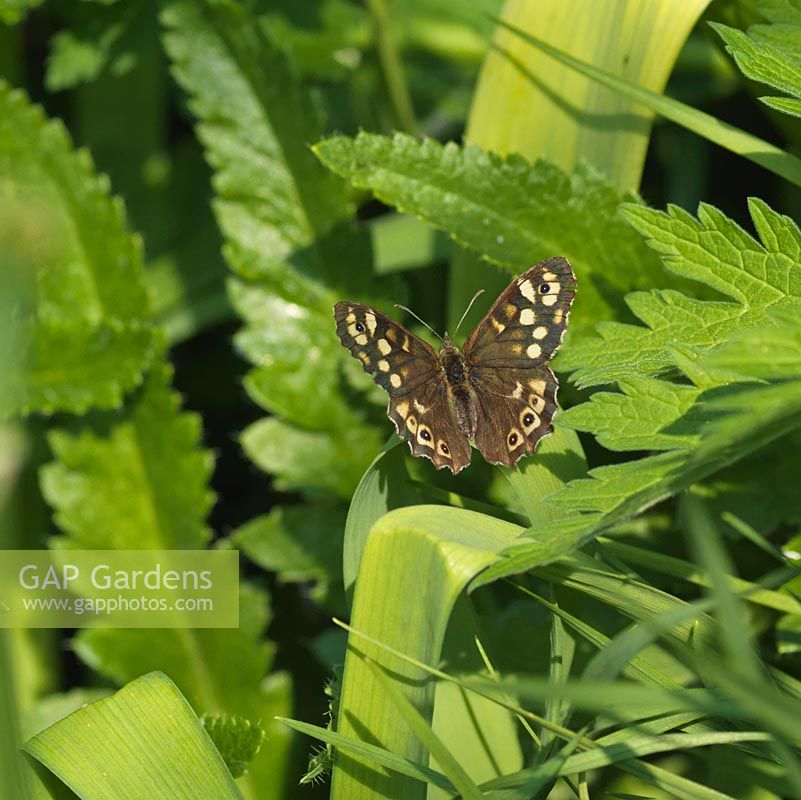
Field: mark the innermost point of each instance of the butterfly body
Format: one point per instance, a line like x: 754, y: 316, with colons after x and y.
x: 497, y: 390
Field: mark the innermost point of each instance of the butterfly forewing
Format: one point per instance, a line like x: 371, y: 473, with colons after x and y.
x: 408, y: 369
x: 525, y: 325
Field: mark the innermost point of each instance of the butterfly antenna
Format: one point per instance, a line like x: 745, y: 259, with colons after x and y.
x: 409, y: 311
x: 467, y: 310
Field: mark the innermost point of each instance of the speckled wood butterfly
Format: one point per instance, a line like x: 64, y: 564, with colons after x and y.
x: 498, y: 391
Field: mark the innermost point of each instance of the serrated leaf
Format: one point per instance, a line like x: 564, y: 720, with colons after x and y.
x: 256, y: 125
x: 238, y: 739
x: 85, y: 336
x: 132, y: 479
x: 769, y: 53
x: 330, y: 460
x: 299, y: 543
x: 756, y: 275
x: 508, y: 210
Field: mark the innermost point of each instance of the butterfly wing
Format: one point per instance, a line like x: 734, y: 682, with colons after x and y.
x: 507, y: 355
x: 408, y: 369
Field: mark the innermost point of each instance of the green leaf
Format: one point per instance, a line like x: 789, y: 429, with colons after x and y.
x: 256, y: 124
x: 134, y: 478
x: 768, y: 156
x: 712, y: 249
x: 84, y: 337
x: 221, y: 671
x: 120, y: 748
x: 299, y: 543
x: 769, y: 53
x: 507, y: 210
x: 238, y: 739
x: 98, y: 39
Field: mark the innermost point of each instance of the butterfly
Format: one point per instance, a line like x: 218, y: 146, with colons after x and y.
x: 498, y: 390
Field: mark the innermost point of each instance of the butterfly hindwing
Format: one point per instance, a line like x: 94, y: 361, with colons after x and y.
x: 408, y: 369
x: 425, y: 420
x: 516, y: 410
x: 525, y: 325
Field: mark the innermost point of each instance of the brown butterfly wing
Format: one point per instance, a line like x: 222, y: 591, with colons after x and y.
x: 507, y: 355
x: 408, y: 369
x: 511, y: 422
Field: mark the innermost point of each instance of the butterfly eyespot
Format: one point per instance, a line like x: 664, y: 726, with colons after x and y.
x: 444, y: 448
x: 512, y: 439
x: 359, y: 327
x: 528, y: 419
x: 424, y: 434
x: 545, y: 288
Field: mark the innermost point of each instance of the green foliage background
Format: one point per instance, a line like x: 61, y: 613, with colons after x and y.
x: 187, y: 187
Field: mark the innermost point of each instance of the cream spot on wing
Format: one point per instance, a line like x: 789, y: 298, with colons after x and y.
x: 549, y: 299
x: 391, y: 335
x: 529, y: 420
x: 518, y: 392
x: 352, y: 329
x: 536, y: 402
x: 365, y: 359
x: 424, y: 436
x: 351, y: 316
x: 499, y: 326
x: 361, y: 339
x: 411, y: 423
x: 549, y: 276
x: 383, y: 365
x: 510, y: 310
x: 538, y: 387
x: 406, y: 346
x: 557, y: 316
x: 420, y: 408
x: 402, y: 409
x: 527, y: 316
x: 540, y: 332
x: 533, y: 351
x: 395, y: 379
x: 443, y: 449
x: 527, y: 290
x: 514, y: 439
x: 371, y: 323
x: 384, y: 347
x: 517, y: 349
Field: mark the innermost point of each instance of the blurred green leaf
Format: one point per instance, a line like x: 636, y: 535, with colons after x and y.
x: 83, y: 337
x: 134, y: 478
x: 12, y: 11
x: 298, y: 543
x: 238, y: 739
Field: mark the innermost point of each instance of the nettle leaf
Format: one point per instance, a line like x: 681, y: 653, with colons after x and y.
x: 508, y: 210
x: 238, y: 739
x: 770, y: 53
x: 134, y: 478
x: 84, y: 337
x: 288, y: 239
x: 715, y: 251
x: 737, y: 401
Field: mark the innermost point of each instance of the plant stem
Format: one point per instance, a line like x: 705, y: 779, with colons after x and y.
x: 391, y: 66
